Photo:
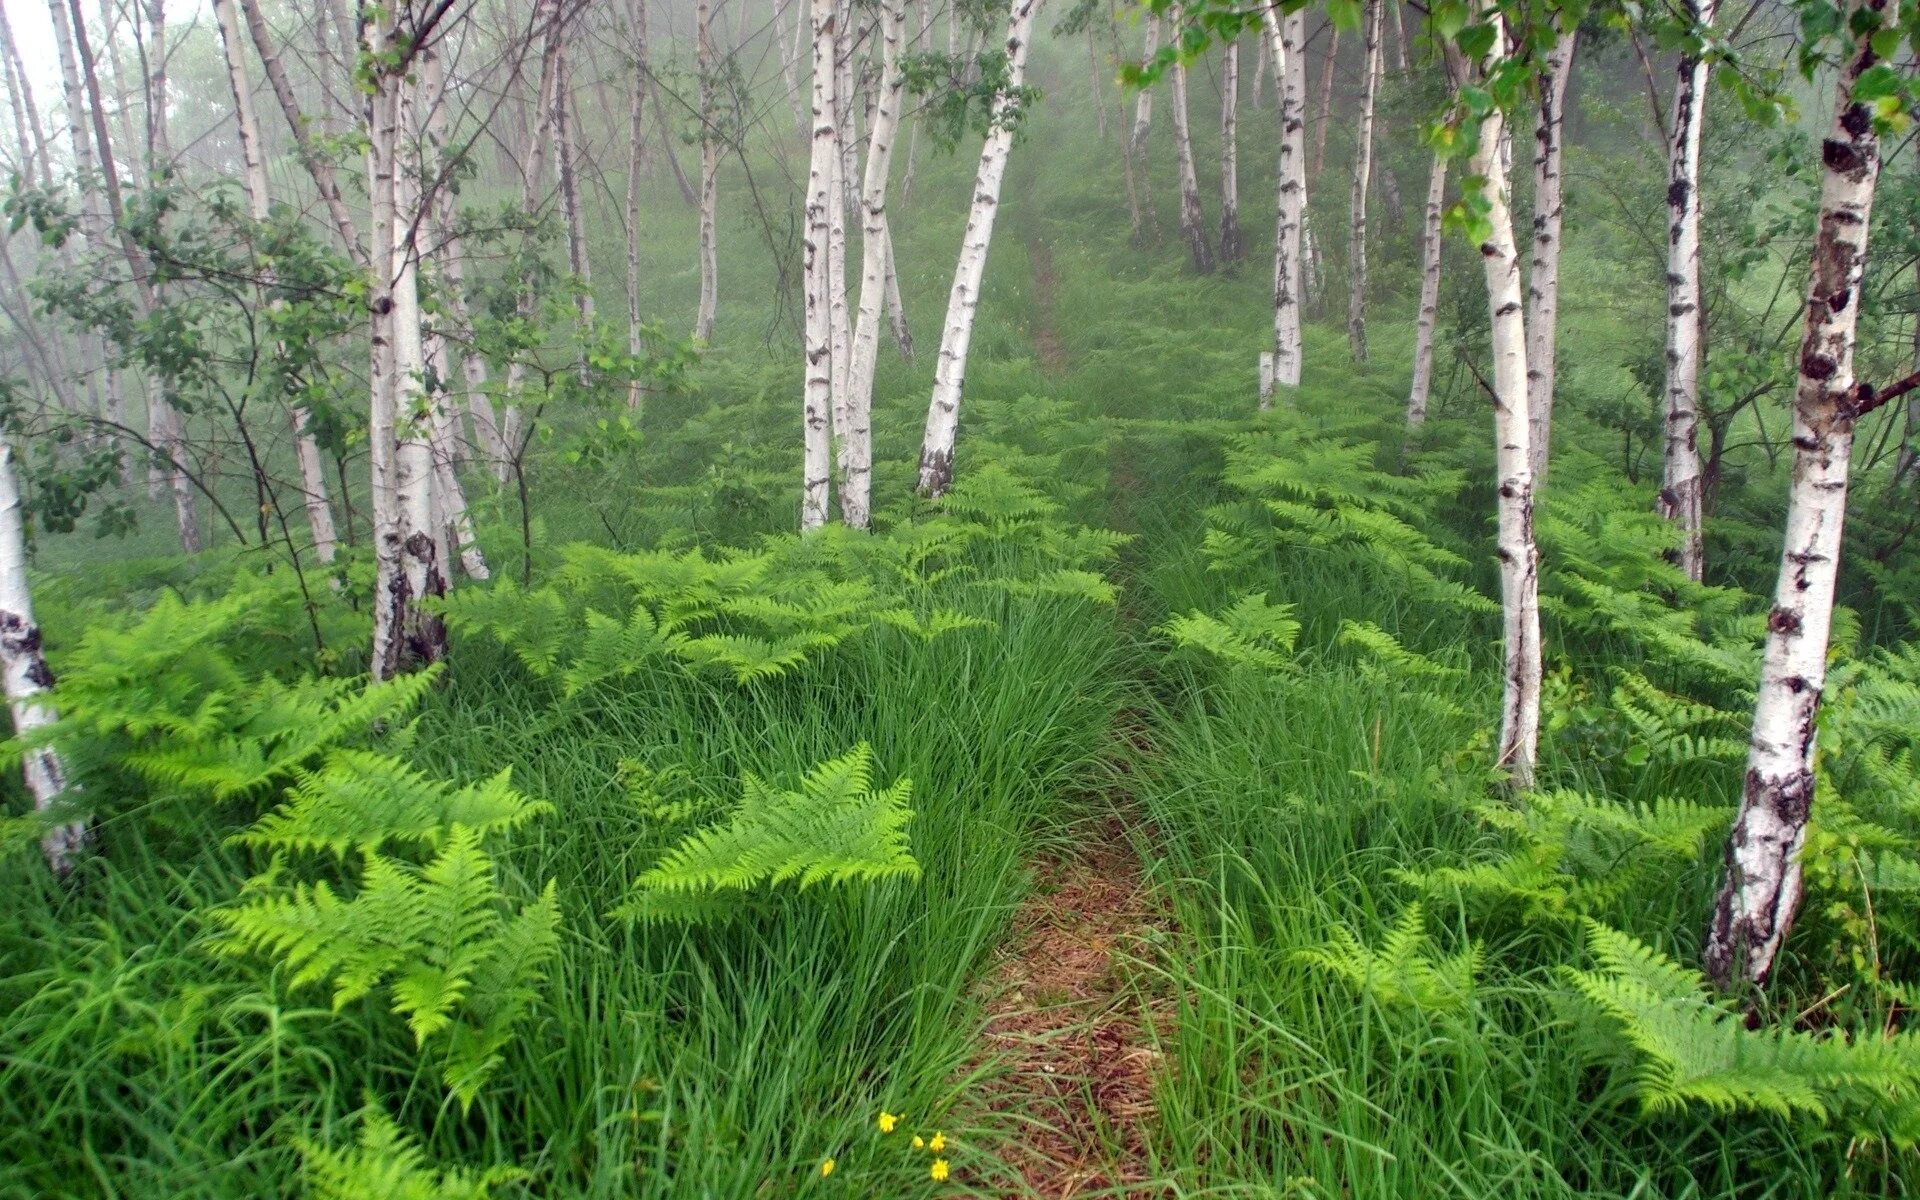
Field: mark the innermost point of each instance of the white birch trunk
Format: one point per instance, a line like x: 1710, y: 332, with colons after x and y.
x: 949, y: 374
x: 636, y: 166
x: 1323, y: 119
x: 1429, y: 318
x: 1543, y: 277
x: 578, y: 263
x: 1193, y: 219
x: 1146, y: 222
x: 26, y: 673
x: 856, y: 449
x: 1289, y: 74
x: 1683, y: 479
x: 816, y: 480
x: 1760, y: 889
x: 1362, y: 185
x: 709, y: 176
x: 547, y: 16
x: 313, y: 478
x: 1518, y: 556
x: 1230, y: 247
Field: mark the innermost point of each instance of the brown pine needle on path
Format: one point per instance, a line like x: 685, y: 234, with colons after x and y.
x: 1071, y: 1062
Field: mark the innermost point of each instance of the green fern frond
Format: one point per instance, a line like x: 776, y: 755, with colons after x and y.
x: 387, y: 1164
x: 1251, y: 633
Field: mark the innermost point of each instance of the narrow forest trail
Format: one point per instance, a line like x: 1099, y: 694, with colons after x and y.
x: 1069, y: 1051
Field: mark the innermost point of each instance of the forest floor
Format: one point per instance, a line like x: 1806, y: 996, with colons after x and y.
x: 1070, y: 1038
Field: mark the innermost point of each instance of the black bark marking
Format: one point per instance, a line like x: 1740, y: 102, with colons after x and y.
x: 1784, y: 620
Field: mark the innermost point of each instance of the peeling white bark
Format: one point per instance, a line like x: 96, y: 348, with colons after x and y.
x: 949, y: 373
x: 817, y: 403
x: 1284, y: 43
x: 26, y: 674
x: 1430, y: 247
x: 1543, y: 277
x: 1230, y: 248
x: 1761, y: 887
x: 856, y: 450
x: 1518, y: 556
x: 1683, y: 479
x: 709, y: 176
x: 1193, y: 219
x: 1362, y: 181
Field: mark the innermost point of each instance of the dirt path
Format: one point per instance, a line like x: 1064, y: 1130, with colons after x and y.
x: 1068, y: 1052
x: 1066, y: 1035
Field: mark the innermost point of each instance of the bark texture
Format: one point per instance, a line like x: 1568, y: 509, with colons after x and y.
x: 1362, y: 182
x: 1543, y: 278
x: 816, y: 479
x: 1193, y: 217
x: 1761, y: 886
x: 1683, y: 478
x: 1289, y: 72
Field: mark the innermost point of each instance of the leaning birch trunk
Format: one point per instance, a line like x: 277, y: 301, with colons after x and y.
x: 816, y: 480
x: 1284, y: 42
x: 1362, y: 184
x: 1323, y: 119
x: 709, y: 176
x: 1430, y: 245
x: 26, y: 673
x: 313, y: 478
x: 1543, y: 277
x: 949, y: 372
x: 1683, y: 479
x: 1519, y: 559
x: 1760, y: 889
x: 1193, y: 220
x: 1230, y: 247
x: 1146, y: 221
x: 856, y: 448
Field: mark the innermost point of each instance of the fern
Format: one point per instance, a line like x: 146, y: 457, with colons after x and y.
x: 1403, y: 971
x: 386, y: 1164
x: 1250, y: 633
x: 362, y: 802
x: 1689, y: 1049
x: 837, y: 829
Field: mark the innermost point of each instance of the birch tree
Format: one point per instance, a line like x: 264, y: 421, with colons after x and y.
x: 1193, y: 218
x: 856, y: 452
x: 949, y: 372
x: 1362, y: 184
x: 1761, y: 884
x: 313, y: 477
x: 706, y: 65
x: 1230, y: 247
x: 817, y: 403
x: 1518, y: 557
x: 1429, y: 311
x: 1284, y: 42
x: 1543, y: 277
x: 25, y: 671
x: 1683, y: 479
x: 636, y: 167
x: 1146, y: 221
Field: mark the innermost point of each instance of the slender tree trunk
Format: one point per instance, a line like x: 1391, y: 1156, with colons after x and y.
x: 1362, y: 184
x: 1097, y: 78
x: 1543, y: 278
x: 1760, y: 890
x: 1193, y: 218
x: 1518, y: 556
x: 77, y: 64
x: 709, y: 175
x: 896, y: 308
x: 1146, y: 222
x: 636, y: 166
x: 790, y: 61
x: 1231, y: 250
x: 1262, y: 67
x: 313, y: 479
x: 1909, y: 456
x: 817, y: 405
x: 943, y: 412
x: 1289, y: 74
x: 26, y: 674
x: 856, y: 451
x: 1683, y: 482
x: 547, y: 17
x: 1430, y: 246
x: 571, y: 214
x: 1399, y: 36
x: 1322, y: 120
x: 319, y: 167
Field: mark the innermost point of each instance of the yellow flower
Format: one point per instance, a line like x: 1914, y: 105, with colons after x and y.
x: 919, y: 1143
x: 888, y: 1121
x: 826, y: 1168
x: 938, y: 1143
x: 938, y: 1171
